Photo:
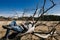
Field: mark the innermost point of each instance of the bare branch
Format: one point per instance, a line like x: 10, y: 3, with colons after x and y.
x: 35, y: 12
x: 44, y: 5
x: 52, y: 1
x: 36, y: 9
x: 42, y: 10
x: 51, y: 6
x: 15, y: 15
x: 23, y: 13
x: 46, y: 10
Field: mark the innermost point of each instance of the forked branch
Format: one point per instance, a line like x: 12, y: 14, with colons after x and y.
x: 44, y: 11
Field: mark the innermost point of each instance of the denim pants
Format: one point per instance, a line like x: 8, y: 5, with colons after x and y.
x: 16, y: 28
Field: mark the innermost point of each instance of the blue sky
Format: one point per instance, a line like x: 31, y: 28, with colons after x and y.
x: 7, y: 7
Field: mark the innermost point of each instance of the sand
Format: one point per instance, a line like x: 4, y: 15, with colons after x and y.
x: 37, y: 29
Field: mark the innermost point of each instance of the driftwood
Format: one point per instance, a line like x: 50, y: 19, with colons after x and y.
x: 42, y: 12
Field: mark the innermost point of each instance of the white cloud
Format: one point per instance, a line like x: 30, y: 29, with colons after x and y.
x: 10, y: 13
x: 20, y: 13
x: 55, y: 13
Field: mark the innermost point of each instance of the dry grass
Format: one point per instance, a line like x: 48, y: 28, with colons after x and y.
x: 29, y: 36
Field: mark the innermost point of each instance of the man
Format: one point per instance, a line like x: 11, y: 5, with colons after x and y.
x: 15, y: 27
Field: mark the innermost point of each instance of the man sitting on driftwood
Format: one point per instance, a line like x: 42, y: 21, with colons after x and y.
x: 27, y: 27
x: 13, y: 26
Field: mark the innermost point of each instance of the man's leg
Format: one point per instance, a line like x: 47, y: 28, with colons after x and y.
x: 7, y: 33
x: 13, y: 35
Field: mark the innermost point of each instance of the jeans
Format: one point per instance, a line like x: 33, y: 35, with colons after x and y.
x: 15, y: 28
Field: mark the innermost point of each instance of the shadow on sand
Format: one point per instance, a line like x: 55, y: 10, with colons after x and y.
x: 11, y: 37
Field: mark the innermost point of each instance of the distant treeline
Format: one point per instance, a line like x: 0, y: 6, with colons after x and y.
x: 50, y: 18
x: 43, y: 18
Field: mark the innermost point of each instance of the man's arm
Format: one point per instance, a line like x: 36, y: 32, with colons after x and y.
x: 6, y: 27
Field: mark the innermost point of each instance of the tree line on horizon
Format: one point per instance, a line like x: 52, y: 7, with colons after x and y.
x: 42, y: 18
